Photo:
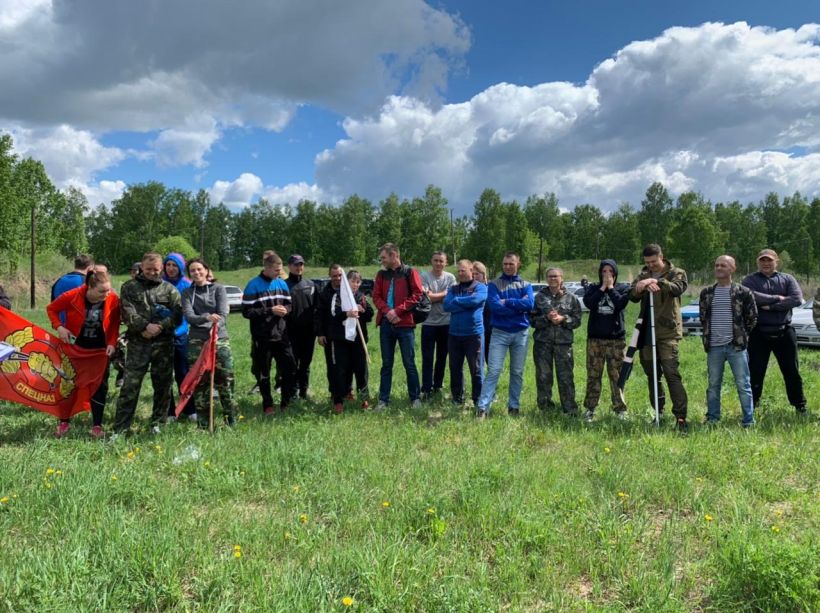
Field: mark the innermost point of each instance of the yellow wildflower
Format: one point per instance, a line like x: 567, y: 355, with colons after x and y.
x: 303, y: 518
x: 347, y: 601
x: 775, y: 529
x: 295, y: 488
x: 431, y: 510
x: 4, y: 500
x: 241, y: 417
x: 623, y: 495
x: 49, y: 471
x: 113, y: 477
x: 130, y: 455
x: 157, y: 448
x: 708, y: 517
x: 58, y: 472
x: 237, y: 554
x: 386, y: 504
x: 607, y: 450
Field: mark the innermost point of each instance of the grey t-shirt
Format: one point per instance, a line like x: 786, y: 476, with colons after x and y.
x: 438, y: 316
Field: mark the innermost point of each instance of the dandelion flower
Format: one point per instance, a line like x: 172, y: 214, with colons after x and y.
x: 49, y: 471
x: 237, y: 547
x: 778, y: 513
x: 137, y: 449
x: 708, y: 517
x: 157, y: 448
x: 607, y: 450
x: 699, y: 479
x: 303, y: 518
x: 775, y: 529
x: 431, y: 510
x: 295, y: 488
x: 4, y: 500
x: 113, y: 477
x: 237, y: 554
x: 58, y: 472
x: 287, y: 536
x: 386, y: 504
x: 241, y: 417
x: 623, y: 495
x: 347, y: 601
x: 206, y: 464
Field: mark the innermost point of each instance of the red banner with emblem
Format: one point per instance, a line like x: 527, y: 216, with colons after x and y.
x: 39, y: 370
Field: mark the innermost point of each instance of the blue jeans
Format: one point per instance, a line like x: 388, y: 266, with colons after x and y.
x: 388, y: 336
x: 739, y: 363
x: 500, y: 342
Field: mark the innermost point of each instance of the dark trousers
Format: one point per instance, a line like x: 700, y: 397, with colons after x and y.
x: 434, y: 341
x: 180, y: 370
x: 264, y: 352
x: 784, y: 346
x: 669, y: 367
x: 345, y: 359
x: 463, y: 348
x: 99, y: 398
x: 302, y: 341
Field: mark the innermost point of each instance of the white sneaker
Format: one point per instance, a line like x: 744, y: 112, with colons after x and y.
x: 192, y: 417
x: 381, y: 406
x: 416, y: 404
x: 589, y: 416
x: 155, y: 430
x: 170, y: 419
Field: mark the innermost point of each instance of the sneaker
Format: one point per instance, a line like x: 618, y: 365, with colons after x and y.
x: 62, y: 429
x: 621, y: 415
x: 97, y: 432
x: 192, y: 417
x: 170, y: 419
x: 338, y: 408
x: 270, y: 411
x: 481, y: 414
x: 155, y: 429
x: 118, y: 382
x: 365, y: 405
x: 589, y: 416
x: 710, y: 422
x: 801, y: 409
x: 512, y: 412
x: 350, y: 396
x: 380, y: 406
x: 416, y: 404
x: 254, y: 389
x: 682, y: 426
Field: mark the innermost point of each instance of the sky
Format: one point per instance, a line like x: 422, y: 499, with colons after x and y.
x: 319, y: 99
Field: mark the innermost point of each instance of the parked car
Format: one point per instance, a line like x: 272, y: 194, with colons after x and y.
x: 234, y: 297
x: 803, y: 322
x: 690, y: 314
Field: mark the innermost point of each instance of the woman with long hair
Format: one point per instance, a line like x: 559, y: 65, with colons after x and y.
x: 204, y: 305
x: 92, y: 321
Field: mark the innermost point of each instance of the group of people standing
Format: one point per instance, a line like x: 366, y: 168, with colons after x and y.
x: 168, y: 318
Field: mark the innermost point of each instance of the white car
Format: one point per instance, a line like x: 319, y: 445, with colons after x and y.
x: 234, y: 297
x: 803, y: 323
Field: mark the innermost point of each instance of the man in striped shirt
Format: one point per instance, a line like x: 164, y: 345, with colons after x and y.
x: 728, y: 313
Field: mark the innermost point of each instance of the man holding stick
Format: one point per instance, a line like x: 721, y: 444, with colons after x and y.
x: 666, y: 283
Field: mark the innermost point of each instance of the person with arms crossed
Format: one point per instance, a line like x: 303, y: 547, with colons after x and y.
x: 435, y: 329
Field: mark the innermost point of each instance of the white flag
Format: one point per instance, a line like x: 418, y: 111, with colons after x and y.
x: 348, y: 304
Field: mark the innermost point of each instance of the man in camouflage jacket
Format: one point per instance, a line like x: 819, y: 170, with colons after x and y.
x: 666, y: 283
x: 557, y: 313
x: 728, y: 314
x: 151, y: 309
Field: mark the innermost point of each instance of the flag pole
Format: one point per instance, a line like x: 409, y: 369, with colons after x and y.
x: 213, y: 372
x: 361, y: 338
x: 654, y: 358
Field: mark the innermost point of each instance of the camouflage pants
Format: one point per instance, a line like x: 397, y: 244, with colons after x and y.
x: 223, y: 379
x: 546, y: 355
x: 669, y: 367
x: 141, y: 353
x: 600, y: 353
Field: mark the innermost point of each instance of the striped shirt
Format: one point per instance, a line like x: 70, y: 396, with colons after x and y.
x: 720, y: 332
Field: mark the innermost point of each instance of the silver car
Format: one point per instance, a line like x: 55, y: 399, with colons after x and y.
x: 234, y: 297
x: 803, y: 323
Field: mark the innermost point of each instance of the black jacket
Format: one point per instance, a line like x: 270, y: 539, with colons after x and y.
x: 302, y: 301
x: 606, y: 309
x: 331, y: 325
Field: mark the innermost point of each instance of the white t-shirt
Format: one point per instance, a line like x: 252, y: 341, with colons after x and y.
x: 438, y: 316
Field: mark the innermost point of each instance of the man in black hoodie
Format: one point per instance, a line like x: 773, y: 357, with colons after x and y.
x: 300, y: 320
x: 606, y: 302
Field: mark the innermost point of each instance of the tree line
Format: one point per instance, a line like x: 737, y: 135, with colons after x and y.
x: 692, y: 229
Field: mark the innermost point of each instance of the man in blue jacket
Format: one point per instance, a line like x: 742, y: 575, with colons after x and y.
x: 465, y: 303
x: 510, y: 299
x: 266, y: 302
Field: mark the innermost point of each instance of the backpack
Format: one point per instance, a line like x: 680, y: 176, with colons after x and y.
x: 422, y: 308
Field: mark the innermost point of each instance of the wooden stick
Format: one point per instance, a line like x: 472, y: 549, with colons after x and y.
x: 361, y: 338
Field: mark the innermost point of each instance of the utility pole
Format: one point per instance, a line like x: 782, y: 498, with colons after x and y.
x: 33, y: 248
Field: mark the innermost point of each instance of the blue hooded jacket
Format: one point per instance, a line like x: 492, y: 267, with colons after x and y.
x: 181, y: 283
x: 513, y: 314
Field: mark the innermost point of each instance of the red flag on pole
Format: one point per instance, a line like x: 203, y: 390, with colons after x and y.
x: 39, y: 370
x: 204, y: 363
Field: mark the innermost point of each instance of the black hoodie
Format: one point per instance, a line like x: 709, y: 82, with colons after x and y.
x: 606, y: 309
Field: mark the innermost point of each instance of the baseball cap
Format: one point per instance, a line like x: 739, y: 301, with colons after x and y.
x: 767, y: 253
x: 296, y: 259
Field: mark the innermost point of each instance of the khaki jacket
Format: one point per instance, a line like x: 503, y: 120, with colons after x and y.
x: 673, y: 282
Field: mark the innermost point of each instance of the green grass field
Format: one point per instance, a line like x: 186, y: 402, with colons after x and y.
x: 429, y: 510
